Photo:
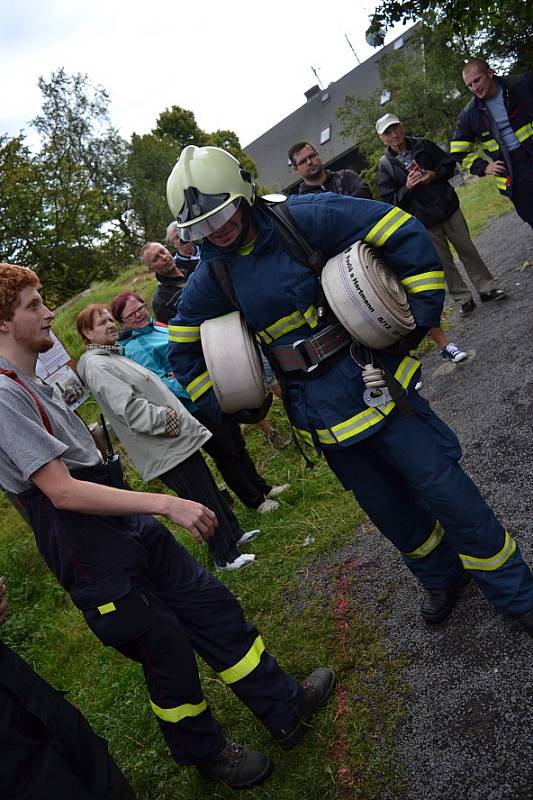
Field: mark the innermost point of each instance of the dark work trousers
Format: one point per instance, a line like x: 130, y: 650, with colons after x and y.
x: 47, y: 749
x: 407, y: 478
x: 228, y: 450
x: 522, y: 195
x: 141, y: 592
x: 192, y: 480
x: 455, y: 230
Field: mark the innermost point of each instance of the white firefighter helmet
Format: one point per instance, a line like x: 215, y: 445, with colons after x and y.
x: 205, y: 189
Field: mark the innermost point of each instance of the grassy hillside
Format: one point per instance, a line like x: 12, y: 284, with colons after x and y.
x: 349, y: 752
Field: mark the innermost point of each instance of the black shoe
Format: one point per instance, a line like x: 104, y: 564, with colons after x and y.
x: 237, y: 767
x: 437, y: 604
x: 526, y: 620
x: 467, y: 307
x: 318, y: 688
x: 494, y: 294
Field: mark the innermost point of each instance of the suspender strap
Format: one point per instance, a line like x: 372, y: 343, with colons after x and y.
x: 44, y: 416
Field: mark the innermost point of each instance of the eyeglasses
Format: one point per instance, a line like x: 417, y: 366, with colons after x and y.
x: 132, y: 316
x: 305, y: 159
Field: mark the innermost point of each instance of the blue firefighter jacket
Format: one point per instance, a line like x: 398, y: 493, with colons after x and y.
x: 278, y: 298
x: 476, y: 126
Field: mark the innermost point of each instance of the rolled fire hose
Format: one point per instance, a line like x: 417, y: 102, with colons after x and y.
x: 366, y: 297
x: 233, y: 362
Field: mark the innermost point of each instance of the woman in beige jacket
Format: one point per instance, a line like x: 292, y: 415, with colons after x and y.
x: 161, y: 437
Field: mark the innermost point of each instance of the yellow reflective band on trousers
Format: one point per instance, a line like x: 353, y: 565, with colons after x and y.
x: 501, y: 183
x: 178, y: 713
x: 107, y: 608
x: 246, y: 665
x: 364, y: 420
x: 425, y: 282
x: 433, y: 540
x: 387, y: 225
x: 460, y: 146
x: 290, y: 323
x: 524, y: 132
x: 199, y: 386
x: 183, y: 334
x: 493, y: 563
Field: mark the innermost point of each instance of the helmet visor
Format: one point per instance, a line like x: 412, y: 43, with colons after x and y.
x: 205, y: 227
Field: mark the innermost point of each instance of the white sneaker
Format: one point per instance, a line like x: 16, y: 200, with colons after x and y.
x: 267, y: 506
x: 277, y: 490
x: 453, y: 353
x: 241, y: 561
x: 249, y: 536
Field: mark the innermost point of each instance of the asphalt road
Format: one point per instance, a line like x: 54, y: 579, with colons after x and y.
x: 468, y: 730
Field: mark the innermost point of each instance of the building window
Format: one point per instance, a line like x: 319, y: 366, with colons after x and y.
x: 385, y: 97
x: 325, y: 135
x: 398, y: 43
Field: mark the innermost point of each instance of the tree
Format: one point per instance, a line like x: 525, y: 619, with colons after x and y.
x: 425, y: 94
x: 150, y: 162
x: 20, y: 203
x: 82, y: 183
x: 500, y: 29
x: 181, y: 126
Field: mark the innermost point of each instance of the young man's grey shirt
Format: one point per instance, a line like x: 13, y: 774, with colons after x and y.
x: 25, y: 444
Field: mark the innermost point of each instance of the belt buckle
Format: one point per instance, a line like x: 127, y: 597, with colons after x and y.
x: 304, y: 354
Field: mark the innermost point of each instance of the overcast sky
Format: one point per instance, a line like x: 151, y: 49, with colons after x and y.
x: 237, y: 65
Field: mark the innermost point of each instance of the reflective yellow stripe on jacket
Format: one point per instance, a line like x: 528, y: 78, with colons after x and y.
x: 458, y: 146
x: 525, y: 132
x: 199, y: 386
x: 246, y: 665
x: 290, y: 323
x: 494, y: 562
x: 387, y: 225
x: 184, y: 334
x: 425, y: 282
x: 433, y: 541
x: 360, y: 422
x: 178, y: 713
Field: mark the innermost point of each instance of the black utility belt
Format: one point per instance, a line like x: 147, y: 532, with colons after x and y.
x: 306, y: 355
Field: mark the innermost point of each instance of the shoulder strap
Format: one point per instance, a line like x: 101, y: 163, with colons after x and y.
x: 293, y: 239
x: 44, y: 416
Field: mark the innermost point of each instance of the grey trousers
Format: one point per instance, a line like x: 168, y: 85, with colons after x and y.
x: 456, y: 231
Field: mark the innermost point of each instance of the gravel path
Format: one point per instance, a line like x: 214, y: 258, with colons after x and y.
x: 468, y: 730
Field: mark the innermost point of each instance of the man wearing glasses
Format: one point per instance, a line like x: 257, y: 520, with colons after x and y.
x: 316, y: 178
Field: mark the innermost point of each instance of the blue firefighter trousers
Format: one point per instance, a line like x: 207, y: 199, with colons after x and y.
x: 142, y: 593
x: 407, y: 478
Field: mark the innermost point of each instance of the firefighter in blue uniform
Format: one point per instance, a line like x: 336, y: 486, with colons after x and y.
x: 499, y: 118
x: 400, y: 460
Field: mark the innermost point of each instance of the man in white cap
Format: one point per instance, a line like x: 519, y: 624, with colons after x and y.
x: 414, y: 174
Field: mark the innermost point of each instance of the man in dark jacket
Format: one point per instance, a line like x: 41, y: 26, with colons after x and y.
x: 414, y: 174
x: 500, y: 116
x: 306, y: 162
x: 172, y: 280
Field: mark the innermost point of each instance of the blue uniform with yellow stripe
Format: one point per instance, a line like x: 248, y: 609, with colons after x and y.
x: 410, y: 460
x: 476, y: 131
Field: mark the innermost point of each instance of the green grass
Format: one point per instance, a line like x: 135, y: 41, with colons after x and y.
x: 349, y: 752
x: 481, y: 202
